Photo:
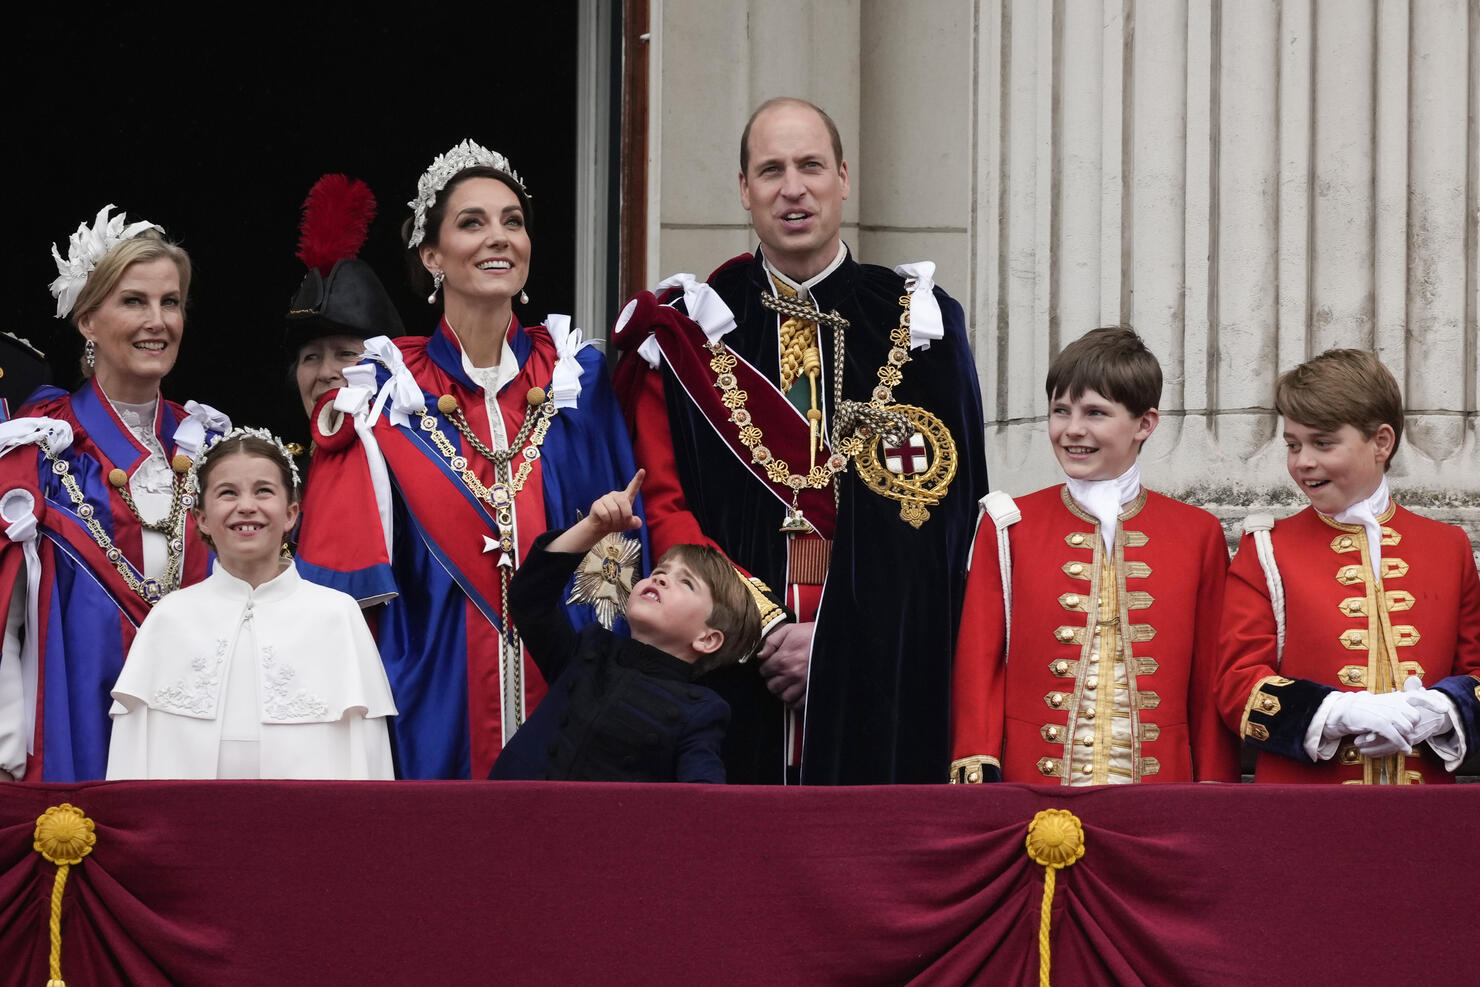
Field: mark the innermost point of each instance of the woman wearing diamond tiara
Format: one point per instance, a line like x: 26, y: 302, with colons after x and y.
x: 445, y: 456
x: 253, y: 672
x: 93, y: 500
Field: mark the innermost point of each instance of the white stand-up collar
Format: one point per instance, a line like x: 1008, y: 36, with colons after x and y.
x: 804, y: 288
x: 1103, y: 499
x: 1366, y: 512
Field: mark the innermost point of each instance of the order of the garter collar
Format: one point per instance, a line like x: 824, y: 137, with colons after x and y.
x: 84, y: 249
x: 434, y: 179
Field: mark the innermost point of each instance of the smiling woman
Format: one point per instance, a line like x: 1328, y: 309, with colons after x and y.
x: 489, y: 433
x: 93, y: 499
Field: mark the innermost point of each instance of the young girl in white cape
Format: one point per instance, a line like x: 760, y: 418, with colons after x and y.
x: 253, y: 672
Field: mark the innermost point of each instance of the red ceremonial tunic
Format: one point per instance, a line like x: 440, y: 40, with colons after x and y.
x: 1345, y: 630
x: 1048, y: 709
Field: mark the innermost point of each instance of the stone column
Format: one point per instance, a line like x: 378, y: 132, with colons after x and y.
x: 1247, y: 183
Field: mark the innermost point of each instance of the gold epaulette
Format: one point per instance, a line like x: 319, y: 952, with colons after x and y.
x: 771, y: 614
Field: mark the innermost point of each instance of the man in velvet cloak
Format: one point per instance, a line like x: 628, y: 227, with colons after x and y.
x: 866, y: 665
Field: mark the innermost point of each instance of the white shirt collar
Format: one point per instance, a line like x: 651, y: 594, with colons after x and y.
x: 804, y: 288
x: 491, y: 379
x: 1103, y: 499
x: 1366, y: 512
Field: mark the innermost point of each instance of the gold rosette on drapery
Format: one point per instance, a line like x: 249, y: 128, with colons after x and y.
x: 64, y: 835
x: 1055, y: 840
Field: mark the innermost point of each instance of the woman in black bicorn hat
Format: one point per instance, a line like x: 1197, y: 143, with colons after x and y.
x: 340, y: 303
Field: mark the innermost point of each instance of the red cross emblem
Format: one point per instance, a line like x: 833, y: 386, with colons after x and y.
x: 908, y: 457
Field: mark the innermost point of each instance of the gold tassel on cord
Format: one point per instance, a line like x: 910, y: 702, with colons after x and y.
x: 64, y: 835
x: 1055, y: 840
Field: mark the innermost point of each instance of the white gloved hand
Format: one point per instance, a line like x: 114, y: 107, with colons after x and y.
x: 1433, y: 707
x: 1380, y: 724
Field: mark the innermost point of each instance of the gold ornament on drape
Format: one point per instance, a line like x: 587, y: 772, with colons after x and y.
x: 64, y: 835
x: 1055, y: 840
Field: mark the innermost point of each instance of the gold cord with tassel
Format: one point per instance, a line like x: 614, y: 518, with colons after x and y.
x: 64, y: 835
x: 1055, y: 840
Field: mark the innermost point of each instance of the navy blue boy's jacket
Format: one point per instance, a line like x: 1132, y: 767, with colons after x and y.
x: 617, y: 710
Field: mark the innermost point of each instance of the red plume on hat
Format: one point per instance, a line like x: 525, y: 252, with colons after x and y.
x: 340, y: 294
x: 336, y: 220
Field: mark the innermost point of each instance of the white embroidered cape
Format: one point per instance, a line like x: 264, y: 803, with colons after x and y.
x: 322, y: 694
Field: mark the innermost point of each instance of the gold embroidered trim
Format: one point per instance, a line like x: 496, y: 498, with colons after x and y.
x: 1146, y: 699
x: 1055, y: 700
x: 1137, y: 570
x: 1050, y: 767
x: 1353, y: 639
x: 1065, y: 635
x: 1355, y: 675
x: 1405, y: 635
x: 1411, y: 668
x: 1345, y: 543
x: 1078, y: 539
x: 1348, y: 754
x: 1269, y: 704
x: 1351, y: 575
x: 1061, y: 667
x: 1394, y: 568
x: 1141, y: 633
x: 1136, y: 539
x: 1050, y: 732
x: 1150, y: 732
x: 1256, y: 730
x: 1149, y: 766
x: 968, y: 770
x: 1390, y: 537
x: 1077, y: 570
x: 1139, y: 599
x: 1073, y: 601
x: 1353, y: 606
x: 1398, y: 600
x: 1146, y: 666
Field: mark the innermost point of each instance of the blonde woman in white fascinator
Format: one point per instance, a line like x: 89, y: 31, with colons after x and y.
x: 93, y: 500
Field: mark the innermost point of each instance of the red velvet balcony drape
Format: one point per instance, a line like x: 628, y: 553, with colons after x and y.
x: 402, y: 882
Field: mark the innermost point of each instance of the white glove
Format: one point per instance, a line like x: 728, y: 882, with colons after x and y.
x: 1433, y: 707
x: 1380, y: 724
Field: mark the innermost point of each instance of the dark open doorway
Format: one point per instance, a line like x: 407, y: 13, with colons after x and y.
x: 216, y: 128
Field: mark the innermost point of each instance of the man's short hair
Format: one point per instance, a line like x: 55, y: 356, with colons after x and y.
x: 1342, y: 387
x: 832, y: 129
x: 1111, y: 360
x: 734, y: 614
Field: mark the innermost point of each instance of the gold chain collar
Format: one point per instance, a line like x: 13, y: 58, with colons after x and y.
x: 723, y: 362
x: 172, y: 526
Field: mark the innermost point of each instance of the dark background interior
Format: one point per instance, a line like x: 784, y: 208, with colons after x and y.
x: 217, y: 128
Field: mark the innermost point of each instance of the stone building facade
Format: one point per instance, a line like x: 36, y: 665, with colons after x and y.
x: 1246, y: 183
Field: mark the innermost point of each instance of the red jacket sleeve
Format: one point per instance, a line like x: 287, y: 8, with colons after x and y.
x: 669, y: 520
x: 980, y: 670
x: 1215, y: 748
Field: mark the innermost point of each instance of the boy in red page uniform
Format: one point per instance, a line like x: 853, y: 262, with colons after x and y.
x: 1351, y: 637
x: 1094, y: 665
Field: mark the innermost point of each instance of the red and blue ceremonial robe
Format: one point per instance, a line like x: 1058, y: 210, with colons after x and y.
x: 87, y: 613
x: 439, y: 630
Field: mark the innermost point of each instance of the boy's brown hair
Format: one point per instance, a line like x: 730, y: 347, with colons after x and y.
x: 1342, y: 387
x: 1111, y: 360
x: 733, y: 614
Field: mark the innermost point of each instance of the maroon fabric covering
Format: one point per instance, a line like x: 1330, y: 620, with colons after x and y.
x: 466, y: 882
